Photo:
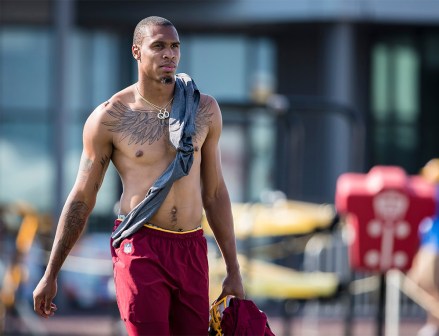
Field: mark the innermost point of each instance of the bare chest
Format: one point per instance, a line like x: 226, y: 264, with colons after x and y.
x: 141, y: 136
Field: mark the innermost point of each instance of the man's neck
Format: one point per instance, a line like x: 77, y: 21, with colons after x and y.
x: 157, y: 92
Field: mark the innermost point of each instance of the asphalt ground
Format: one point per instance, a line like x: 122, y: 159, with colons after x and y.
x: 104, y: 325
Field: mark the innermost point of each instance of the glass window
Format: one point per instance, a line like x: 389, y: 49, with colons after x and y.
x: 93, y: 71
x: 395, y: 82
x: 93, y: 79
x: 25, y: 65
x: 26, y: 170
x: 395, y: 102
x: 232, y: 144
x: 262, y: 140
x: 105, y: 59
x: 429, y: 146
x: 26, y: 101
x: 380, y: 87
x: 431, y: 51
x: 78, y: 74
x: 406, y: 83
x: 218, y: 65
x: 247, y: 151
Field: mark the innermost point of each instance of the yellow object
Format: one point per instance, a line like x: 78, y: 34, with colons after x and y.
x: 216, y: 314
x: 283, y: 218
x: 27, y: 232
x: 267, y: 280
x: 431, y: 171
x: 16, y: 272
x: 279, y: 282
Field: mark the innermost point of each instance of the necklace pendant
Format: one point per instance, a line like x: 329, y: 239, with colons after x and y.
x: 163, y: 114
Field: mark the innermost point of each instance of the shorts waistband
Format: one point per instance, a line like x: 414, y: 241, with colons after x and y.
x: 160, y: 232
x: 154, y: 227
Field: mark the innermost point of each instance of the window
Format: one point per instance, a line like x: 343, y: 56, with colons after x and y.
x: 395, y: 102
x: 26, y: 169
x: 27, y: 159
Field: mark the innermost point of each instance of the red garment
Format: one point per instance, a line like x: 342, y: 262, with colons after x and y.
x: 243, y: 317
x: 162, y: 283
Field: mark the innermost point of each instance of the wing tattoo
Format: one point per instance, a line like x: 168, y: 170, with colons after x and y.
x: 203, y: 120
x: 139, y: 126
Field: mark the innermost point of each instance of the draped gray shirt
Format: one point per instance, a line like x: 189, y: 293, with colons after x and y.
x: 181, y: 130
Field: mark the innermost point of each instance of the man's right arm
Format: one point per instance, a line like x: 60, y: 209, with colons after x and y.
x: 95, y: 159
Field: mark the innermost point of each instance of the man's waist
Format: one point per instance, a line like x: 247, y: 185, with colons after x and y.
x: 165, y: 229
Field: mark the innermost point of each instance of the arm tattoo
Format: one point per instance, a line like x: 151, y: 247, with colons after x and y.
x: 85, y: 167
x: 139, y: 126
x: 203, y: 119
x: 86, y: 164
x: 105, y: 161
x: 74, y: 223
x: 76, y: 216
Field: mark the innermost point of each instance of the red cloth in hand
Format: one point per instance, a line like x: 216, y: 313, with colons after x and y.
x: 243, y: 317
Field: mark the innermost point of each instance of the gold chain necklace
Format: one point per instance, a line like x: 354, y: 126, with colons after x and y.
x: 163, y: 112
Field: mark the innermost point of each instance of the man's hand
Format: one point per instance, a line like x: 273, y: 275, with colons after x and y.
x: 43, y: 296
x: 232, y: 285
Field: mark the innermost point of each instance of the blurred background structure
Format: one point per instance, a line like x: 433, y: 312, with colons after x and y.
x: 309, y: 89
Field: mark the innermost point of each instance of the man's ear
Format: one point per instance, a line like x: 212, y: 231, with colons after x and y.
x: 136, y: 52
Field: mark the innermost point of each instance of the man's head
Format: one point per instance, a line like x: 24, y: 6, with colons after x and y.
x: 156, y: 47
x: 140, y: 31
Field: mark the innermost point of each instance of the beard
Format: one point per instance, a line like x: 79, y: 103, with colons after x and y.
x: 167, y: 80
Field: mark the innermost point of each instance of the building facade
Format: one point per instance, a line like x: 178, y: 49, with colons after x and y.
x: 309, y: 89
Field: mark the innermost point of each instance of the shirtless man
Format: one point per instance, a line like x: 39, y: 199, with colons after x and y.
x: 161, y: 273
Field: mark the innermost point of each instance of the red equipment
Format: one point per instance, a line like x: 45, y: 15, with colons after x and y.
x: 383, y: 211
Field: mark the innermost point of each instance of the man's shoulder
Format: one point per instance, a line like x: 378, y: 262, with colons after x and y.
x: 119, y: 100
x: 207, y: 98
x: 124, y: 96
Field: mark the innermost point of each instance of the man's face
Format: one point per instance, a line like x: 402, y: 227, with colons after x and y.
x: 160, y: 53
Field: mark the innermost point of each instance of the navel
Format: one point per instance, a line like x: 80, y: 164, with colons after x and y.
x: 196, y: 148
x: 173, y: 216
x: 139, y: 153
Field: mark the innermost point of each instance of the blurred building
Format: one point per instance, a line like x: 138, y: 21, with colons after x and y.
x: 358, y: 80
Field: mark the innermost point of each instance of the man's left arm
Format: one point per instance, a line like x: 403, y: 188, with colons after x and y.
x: 216, y: 202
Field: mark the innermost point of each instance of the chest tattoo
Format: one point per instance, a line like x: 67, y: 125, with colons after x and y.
x: 139, y: 126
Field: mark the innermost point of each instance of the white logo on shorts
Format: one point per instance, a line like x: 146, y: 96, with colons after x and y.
x: 128, y: 248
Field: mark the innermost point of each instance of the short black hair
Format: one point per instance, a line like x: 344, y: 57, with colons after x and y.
x: 149, y: 21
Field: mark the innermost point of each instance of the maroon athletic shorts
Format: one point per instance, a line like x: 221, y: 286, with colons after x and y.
x: 162, y: 282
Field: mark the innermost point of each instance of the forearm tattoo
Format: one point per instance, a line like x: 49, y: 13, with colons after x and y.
x: 139, y: 126
x: 74, y: 222
x: 75, y: 217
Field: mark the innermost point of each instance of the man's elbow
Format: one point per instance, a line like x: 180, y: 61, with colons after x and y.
x: 212, y: 199
x: 87, y: 200
x: 208, y: 201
